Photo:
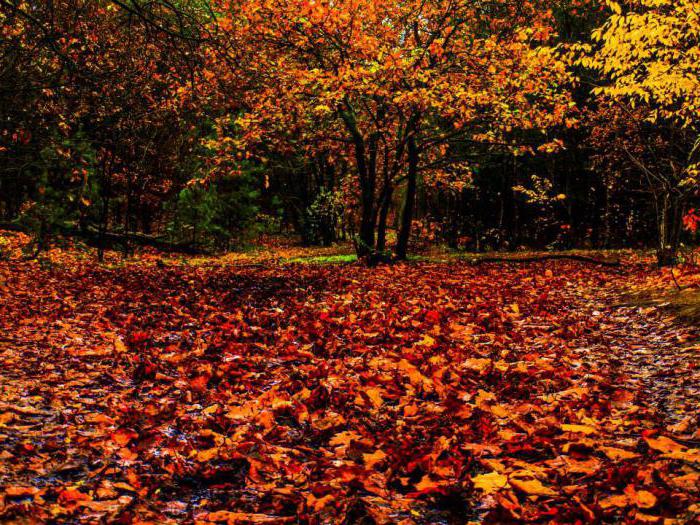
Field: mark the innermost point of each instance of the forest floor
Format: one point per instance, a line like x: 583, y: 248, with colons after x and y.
x: 277, y: 387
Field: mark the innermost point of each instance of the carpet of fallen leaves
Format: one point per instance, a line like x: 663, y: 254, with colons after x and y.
x: 152, y: 392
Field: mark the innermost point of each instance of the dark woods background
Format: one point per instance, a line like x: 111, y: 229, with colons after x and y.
x: 107, y: 122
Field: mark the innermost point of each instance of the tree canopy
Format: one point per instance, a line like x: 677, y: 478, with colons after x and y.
x: 392, y: 124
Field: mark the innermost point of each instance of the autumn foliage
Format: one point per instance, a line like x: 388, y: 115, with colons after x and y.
x: 426, y: 393
x: 358, y: 262
x: 199, y: 122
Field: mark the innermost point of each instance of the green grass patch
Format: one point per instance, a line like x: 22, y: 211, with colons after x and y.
x: 324, y: 259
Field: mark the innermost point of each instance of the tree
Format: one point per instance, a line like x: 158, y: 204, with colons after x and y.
x: 394, y: 88
x: 98, y: 83
x: 648, y: 54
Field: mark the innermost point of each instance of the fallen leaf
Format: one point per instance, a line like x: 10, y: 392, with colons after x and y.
x: 617, y: 501
x: 491, y: 482
x: 532, y: 487
x: 372, y: 459
x: 617, y: 454
x: 582, y: 429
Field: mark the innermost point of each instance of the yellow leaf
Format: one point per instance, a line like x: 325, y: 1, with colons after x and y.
x: 426, y: 341
x: 499, y: 411
x: 318, y: 504
x: 615, y: 7
x: 491, y: 482
x: 211, y: 409
x: 343, y: 438
x: 124, y: 486
x: 414, y: 375
x: 241, y: 517
x: 240, y: 412
x: 119, y: 345
x: 588, y: 466
x: 127, y: 454
x: 123, y: 436
x: 266, y: 419
x: 689, y: 482
x: 583, y: 429
x: 207, y: 455
x: 410, y: 410
x: 645, y: 518
x: 691, y: 455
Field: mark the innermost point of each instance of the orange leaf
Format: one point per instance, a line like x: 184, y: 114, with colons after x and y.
x: 617, y: 454
x: 207, y: 455
x: 617, y: 500
x: 581, y: 429
x: 532, y: 487
x: 664, y: 445
x: 372, y: 459
x: 375, y: 395
x: 123, y: 436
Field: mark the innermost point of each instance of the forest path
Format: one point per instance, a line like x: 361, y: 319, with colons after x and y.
x: 652, y: 353
x: 660, y: 360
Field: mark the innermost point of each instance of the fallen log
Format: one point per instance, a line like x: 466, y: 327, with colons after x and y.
x: 95, y: 238
x: 112, y: 239
x: 547, y: 257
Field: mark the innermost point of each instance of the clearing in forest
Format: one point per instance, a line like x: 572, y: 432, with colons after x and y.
x: 285, y: 393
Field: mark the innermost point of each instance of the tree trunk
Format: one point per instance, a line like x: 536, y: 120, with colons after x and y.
x: 407, y: 216
x: 670, y: 220
x: 365, y: 242
x: 383, y: 215
x: 366, y: 168
x: 102, y: 229
x: 127, y: 214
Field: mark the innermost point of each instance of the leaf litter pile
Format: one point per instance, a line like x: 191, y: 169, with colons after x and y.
x: 421, y: 393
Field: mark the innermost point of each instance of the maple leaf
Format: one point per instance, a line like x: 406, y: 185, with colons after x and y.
x: 490, y: 482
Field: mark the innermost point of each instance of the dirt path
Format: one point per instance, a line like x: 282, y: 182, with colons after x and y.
x: 661, y: 358
x: 651, y: 353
